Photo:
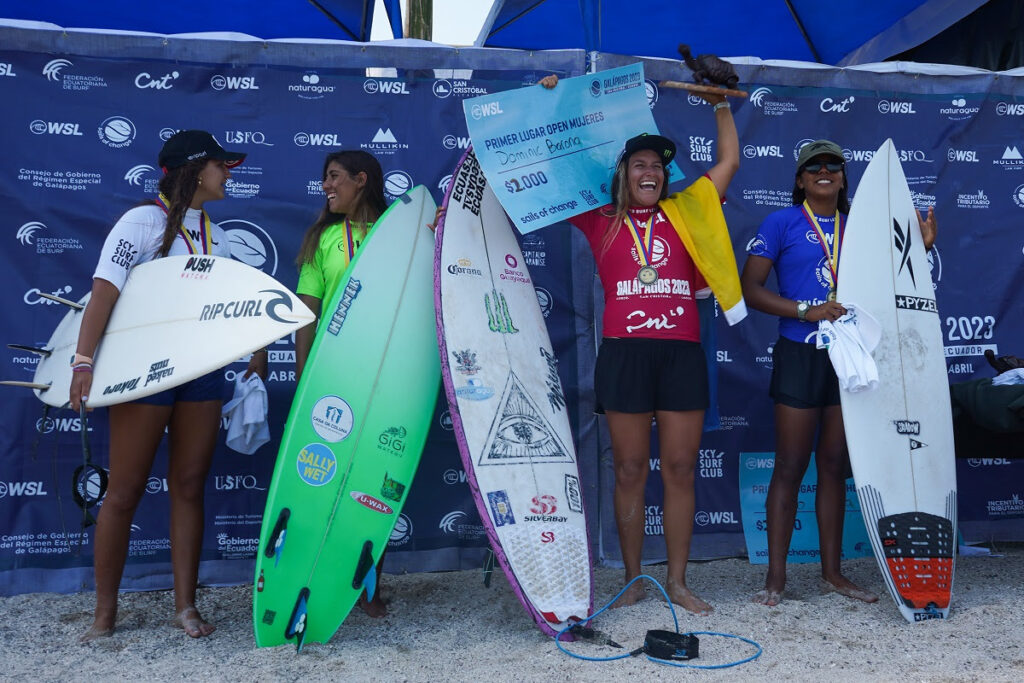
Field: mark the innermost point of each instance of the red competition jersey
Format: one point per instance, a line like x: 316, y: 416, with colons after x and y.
x: 665, y: 309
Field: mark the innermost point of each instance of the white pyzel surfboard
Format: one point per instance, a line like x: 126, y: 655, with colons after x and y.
x: 507, y: 404
x: 900, y: 435
x: 176, y: 319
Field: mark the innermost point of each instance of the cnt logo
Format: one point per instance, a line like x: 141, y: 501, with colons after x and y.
x: 303, y: 139
x: 25, y: 232
x: 219, y: 82
x: 832, y: 106
x: 54, y: 67
x: 32, y: 297
x: 117, y: 132
x: 21, y: 488
x: 147, y: 82
x: 40, y: 127
x: 455, y: 142
x: 761, y: 151
x: 374, y: 86
x: 135, y: 173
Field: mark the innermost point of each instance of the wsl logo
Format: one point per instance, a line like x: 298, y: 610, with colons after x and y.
x: 455, y: 142
x: 761, y: 151
x: 219, y: 82
x: 894, y: 107
x: 117, y: 132
x: 54, y: 67
x: 481, y: 111
x: 7, y: 69
x: 967, y: 155
x: 373, y: 86
x: 1010, y: 109
x: 40, y: 127
x: 303, y: 139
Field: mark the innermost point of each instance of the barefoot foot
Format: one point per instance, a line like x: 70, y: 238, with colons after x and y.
x: 769, y: 598
x: 687, y: 599
x: 102, y: 625
x: 190, y: 621
x: 632, y: 595
x: 844, y: 586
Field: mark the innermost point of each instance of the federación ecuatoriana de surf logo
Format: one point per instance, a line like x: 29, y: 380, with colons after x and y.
x: 332, y: 418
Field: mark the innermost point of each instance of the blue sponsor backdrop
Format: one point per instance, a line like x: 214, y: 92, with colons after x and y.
x: 87, y: 114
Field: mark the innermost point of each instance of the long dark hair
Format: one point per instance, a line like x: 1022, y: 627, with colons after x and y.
x: 620, y: 198
x: 842, y: 203
x: 370, y: 202
x: 179, y: 186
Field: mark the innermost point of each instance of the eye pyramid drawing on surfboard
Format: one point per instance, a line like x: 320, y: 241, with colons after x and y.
x: 508, y: 408
x: 900, y: 435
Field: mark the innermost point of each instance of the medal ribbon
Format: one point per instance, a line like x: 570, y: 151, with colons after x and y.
x: 205, y: 234
x: 349, y: 244
x: 831, y: 255
x: 643, y: 250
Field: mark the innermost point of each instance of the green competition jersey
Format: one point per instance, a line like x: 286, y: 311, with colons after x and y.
x: 320, y: 277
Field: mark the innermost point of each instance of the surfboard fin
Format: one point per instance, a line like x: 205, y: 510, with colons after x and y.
x: 275, y: 544
x: 30, y: 385
x: 297, y: 623
x: 61, y: 300
x: 365, y: 575
x: 488, y: 568
x: 45, y: 353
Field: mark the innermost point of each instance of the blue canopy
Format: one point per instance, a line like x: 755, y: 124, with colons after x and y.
x: 839, y: 33
x: 335, y: 19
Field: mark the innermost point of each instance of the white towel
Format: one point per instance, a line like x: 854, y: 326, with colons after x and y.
x: 850, y: 341
x: 1015, y: 376
x: 247, y: 415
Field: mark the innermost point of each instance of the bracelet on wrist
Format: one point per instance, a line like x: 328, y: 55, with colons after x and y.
x: 721, y: 105
x: 81, y: 367
x: 79, y: 358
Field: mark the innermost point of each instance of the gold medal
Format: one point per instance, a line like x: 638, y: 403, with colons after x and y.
x: 831, y: 294
x: 647, y: 275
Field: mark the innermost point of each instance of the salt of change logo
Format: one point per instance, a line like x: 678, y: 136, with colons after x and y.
x: 117, y: 132
x: 396, y: 183
x: 332, y: 418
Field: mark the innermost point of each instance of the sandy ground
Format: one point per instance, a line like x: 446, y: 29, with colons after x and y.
x: 449, y: 626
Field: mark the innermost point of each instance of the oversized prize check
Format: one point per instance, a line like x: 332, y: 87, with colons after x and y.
x: 550, y: 154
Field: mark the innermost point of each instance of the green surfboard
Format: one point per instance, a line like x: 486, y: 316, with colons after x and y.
x: 354, y: 435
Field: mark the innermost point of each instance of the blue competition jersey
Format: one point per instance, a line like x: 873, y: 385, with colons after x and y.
x: 790, y: 241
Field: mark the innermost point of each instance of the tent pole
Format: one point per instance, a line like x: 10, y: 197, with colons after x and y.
x: 803, y: 32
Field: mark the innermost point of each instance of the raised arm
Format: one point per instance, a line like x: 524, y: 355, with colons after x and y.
x: 728, y: 161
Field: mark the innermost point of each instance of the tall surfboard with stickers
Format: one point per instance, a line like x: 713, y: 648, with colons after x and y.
x: 900, y: 435
x: 508, y: 408
x: 354, y: 435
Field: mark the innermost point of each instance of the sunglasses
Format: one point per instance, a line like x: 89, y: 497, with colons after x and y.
x: 816, y: 166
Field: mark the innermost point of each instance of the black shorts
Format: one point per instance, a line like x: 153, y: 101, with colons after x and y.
x: 802, y: 376
x: 208, y: 387
x: 644, y: 375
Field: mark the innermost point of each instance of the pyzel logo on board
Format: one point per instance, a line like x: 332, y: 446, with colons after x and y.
x: 310, y: 88
x: 396, y: 183
x: 40, y: 127
x: 305, y: 139
x: 219, y: 82
x: 251, y: 244
x: 117, y: 132
x: 145, y: 81
x: 374, y: 86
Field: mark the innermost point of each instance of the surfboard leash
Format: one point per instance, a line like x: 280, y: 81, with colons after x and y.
x: 663, y: 647
x: 82, y: 482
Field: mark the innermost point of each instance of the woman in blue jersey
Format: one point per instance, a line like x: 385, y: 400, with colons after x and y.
x: 196, y: 169
x: 803, y: 244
